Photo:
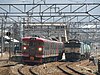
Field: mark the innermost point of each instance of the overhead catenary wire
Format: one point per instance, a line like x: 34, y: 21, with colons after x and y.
x: 77, y: 1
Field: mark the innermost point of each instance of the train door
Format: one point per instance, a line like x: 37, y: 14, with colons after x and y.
x: 32, y: 50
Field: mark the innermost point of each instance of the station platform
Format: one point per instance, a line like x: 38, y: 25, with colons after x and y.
x: 6, y: 56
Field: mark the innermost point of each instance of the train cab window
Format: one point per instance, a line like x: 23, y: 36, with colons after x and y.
x: 36, y: 43
x: 39, y: 43
x: 32, y: 44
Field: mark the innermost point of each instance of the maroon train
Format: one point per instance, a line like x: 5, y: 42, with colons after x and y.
x: 40, y: 50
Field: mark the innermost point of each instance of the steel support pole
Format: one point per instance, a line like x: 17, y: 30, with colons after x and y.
x: 2, y: 39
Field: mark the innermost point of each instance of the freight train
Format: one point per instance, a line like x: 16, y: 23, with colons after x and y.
x: 75, y: 50
x: 40, y: 50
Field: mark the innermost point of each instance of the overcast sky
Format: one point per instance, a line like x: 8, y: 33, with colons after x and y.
x: 49, y: 1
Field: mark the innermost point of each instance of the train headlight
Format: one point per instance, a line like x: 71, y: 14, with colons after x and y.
x: 40, y: 49
x: 24, y: 48
x: 76, y: 42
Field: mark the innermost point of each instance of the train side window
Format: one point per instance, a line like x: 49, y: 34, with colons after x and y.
x: 51, y: 46
x: 46, y: 46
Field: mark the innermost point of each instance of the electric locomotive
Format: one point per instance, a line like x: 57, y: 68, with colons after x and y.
x: 72, y: 50
x: 40, y: 50
x: 76, y: 50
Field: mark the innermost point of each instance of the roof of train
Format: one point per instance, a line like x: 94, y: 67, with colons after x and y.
x: 75, y: 40
x: 41, y: 39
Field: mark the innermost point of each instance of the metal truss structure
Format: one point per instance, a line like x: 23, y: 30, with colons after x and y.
x: 76, y: 16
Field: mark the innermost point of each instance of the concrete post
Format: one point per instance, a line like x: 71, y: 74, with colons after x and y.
x: 65, y: 35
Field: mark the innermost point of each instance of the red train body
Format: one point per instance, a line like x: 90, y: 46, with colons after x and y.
x: 40, y: 50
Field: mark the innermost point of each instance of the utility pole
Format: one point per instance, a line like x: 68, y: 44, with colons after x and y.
x: 48, y: 31
x: 21, y: 28
x: 33, y: 1
x: 2, y: 40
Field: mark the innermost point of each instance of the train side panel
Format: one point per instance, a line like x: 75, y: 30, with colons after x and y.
x: 41, y: 50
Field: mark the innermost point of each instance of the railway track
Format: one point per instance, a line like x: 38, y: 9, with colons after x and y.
x: 67, y: 69
x: 26, y: 70
x: 60, y: 68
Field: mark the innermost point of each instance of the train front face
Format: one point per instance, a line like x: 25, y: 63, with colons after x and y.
x: 72, y: 51
x: 32, y: 50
